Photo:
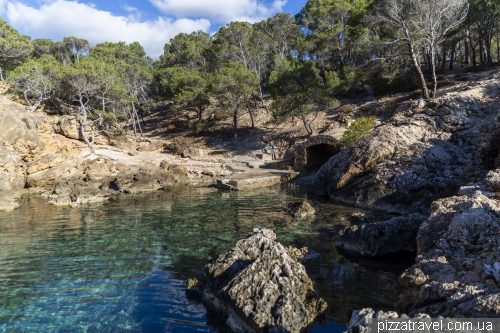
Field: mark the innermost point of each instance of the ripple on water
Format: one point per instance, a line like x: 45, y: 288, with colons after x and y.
x: 121, y: 266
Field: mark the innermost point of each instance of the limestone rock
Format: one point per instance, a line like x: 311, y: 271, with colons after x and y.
x: 68, y: 126
x: 18, y: 132
x: 399, y: 167
x: 376, y: 239
x: 192, y: 152
x: 144, y: 178
x: 12, y: 171
x: 456, y: 273
x: 8, y: 200
x: 301, y: 209
x: 359, y: 323
x: 412, y: 160
x: 304, y: 253
x: 493, y: 179
x: 261, y: 288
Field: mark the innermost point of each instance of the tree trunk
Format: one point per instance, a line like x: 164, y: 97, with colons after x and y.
x: 200, y: 113
x: 133, y: 122
x: 251, y: 116
x: 481, y: 52
x: 136, y: 117
x: 83, y: 122
x: 466, y: 51
x: 306, y: 125
x: 433, y: 69
x: 443, y: 63
x: 235, y: 126
x: 453, y: 52
x: 1, y: 74
x: 473, y: 50
x: 261, y: 95
x: 423, y: 84
x: 36, y: 105
x: 498, y: 48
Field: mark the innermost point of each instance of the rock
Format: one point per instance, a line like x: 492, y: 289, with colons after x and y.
x: 12, y: 171
x: 145, y: 178
x: 18, y: 132
x: 493, y: 179
x: 8, y: 200
x: 260, y: 287
x: 77, y: 192
x: 301, y: 209
x: 192, y: 152
x: 376, y: 239
x: 359, y: 323
x: 458, y: 264
x: 304, y: 253
x: 150, y: 145
x: 69, y: 126
x: 400, y: 167
x: 178, y: 171
x: 359, y: 319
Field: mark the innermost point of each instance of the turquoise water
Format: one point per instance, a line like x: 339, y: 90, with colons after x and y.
x: 121, y: 266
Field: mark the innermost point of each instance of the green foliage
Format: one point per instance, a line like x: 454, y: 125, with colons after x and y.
x: 187, y: 50
x: 233, y: 86
x: 187, y: 87
x: 37, y: 80
x: 14, y: 47
x: 201, y: 125
x: 357, y: 130
x: 334, y: 29
x: 42, y: 46
x: 282, y: 31
x: 298, y: 90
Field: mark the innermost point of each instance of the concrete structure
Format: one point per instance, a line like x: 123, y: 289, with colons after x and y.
x: 248, y: 180
x: 313, y: 153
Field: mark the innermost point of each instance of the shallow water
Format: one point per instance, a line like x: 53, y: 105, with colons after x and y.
x: 121, y: 266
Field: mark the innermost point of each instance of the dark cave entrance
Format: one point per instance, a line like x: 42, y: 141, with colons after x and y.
x: 318, y: 155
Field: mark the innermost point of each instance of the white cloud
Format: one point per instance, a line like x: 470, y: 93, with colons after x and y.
x: 221, y: 11
x: 61, y: 18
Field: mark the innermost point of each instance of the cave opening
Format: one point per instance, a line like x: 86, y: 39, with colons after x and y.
x: 318, y: 155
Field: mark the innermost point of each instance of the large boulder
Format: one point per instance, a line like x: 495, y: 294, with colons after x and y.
x: 395, y: 235
x: 419, y: 156
x: 261, y: 287
x: 400, y: 167
x: 18, y: 131
x: 457, y: 270
x: 301, y: 209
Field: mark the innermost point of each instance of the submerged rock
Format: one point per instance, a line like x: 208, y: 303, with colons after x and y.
x: 260, y: 287
x: 375, y: 239
x: 301, y: 209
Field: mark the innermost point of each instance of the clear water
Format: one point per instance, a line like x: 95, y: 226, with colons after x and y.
x: 121, y: 266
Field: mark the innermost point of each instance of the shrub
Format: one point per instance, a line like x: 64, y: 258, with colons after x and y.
x: 201, y: 125
x: 357, y: 130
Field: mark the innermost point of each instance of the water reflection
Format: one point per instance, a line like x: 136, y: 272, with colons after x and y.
x: 121, y: 266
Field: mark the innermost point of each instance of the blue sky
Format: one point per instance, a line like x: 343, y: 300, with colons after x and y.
x: 150, y: 22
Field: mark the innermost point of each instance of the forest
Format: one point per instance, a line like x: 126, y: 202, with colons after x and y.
x: 303, y: 63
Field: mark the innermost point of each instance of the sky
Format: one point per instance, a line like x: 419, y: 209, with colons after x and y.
x: 150, y: 22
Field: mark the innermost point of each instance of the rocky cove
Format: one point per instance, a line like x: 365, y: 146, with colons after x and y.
x: 428, y: 170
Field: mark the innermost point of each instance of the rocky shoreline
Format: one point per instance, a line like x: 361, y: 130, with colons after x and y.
x: 433, y: 163
x: 42, y: 154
